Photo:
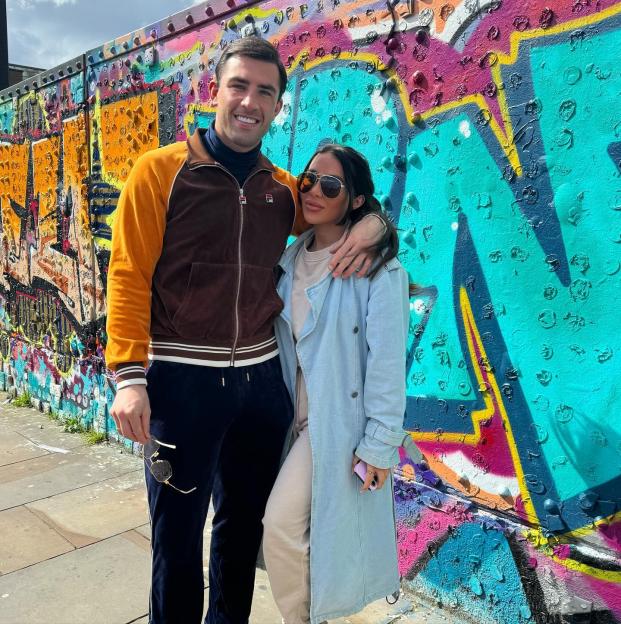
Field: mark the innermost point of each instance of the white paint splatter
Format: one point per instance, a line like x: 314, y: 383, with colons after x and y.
x: 464, y: 128
x: 283, y: 115
x: 489, y: 482
x: 419, y: 306
x: 378, y: 103
x: 51, y: 449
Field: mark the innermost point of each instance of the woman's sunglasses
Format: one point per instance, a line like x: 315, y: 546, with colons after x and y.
x: 330, y: 185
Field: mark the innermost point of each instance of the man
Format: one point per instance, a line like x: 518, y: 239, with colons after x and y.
x: 199, y: 228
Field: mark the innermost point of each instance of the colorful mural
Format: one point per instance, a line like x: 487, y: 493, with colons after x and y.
x: 494, y: 133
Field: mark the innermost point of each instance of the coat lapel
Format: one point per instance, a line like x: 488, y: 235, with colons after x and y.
x: 287, y: 264
x: 317, y: 297
x: 316, y: 293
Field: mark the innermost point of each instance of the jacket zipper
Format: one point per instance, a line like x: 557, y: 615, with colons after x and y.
x: 242, y: 202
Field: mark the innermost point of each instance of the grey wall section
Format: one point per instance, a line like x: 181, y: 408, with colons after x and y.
x: 495, y: 140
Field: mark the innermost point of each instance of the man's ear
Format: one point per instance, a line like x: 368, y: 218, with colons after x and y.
x: 213, y: 91
x: 279, y: 106
x: 358, y: 201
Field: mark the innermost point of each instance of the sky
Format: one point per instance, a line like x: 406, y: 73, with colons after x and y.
x: 45, y: 33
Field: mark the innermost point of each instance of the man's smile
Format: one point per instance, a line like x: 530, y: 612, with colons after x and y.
x: 246, y: 120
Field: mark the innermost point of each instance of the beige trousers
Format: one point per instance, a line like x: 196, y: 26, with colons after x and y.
x: 286, y: 537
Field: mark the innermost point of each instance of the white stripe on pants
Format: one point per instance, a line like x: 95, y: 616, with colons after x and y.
x: 286, y: 538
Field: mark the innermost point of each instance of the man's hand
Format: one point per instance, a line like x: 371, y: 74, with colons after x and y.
x: 132, y: 413
x: 354, y: 254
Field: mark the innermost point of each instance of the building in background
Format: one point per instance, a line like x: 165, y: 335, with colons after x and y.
x: 4, y: 47
x: 17, y: 73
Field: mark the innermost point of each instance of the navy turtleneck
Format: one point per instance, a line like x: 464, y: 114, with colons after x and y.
x: 238, y: 163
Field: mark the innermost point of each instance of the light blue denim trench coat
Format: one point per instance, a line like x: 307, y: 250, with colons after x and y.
x: 352, y: 353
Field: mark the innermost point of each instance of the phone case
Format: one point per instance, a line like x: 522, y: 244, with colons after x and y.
x: 361, y: 470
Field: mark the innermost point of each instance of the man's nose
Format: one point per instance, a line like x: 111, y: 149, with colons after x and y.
x: 249, y: 101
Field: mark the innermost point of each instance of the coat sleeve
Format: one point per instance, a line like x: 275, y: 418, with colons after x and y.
x: 384, y: 383
x: 137, y: 235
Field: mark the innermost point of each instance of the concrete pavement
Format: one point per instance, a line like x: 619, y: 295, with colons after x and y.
x: 74, y: 534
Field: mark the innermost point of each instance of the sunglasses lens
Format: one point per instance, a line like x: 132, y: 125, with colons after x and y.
x: 306, y: 181
x: 161, y: 470
x: 150, y: 448
x: 330, y: 186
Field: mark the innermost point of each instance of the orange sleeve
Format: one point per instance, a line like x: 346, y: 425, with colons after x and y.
x: 299, y: 224
x: 137, y: 239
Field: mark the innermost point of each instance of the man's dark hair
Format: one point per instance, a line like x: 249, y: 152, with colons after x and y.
x: 255, y: 48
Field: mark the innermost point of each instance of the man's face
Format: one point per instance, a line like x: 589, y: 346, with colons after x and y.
x: 247, y: 101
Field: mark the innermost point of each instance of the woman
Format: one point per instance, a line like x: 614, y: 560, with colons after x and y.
x: 329, y: 542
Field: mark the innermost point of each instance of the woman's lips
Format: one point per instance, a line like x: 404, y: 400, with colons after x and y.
x: 312, y: 207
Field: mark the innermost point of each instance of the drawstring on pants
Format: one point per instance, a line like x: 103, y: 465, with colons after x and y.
x: 224, y: 381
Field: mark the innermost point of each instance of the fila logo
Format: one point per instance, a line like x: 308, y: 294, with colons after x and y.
x: 269, y: 199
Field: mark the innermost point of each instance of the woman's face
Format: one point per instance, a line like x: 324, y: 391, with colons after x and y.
x: 317, y: 208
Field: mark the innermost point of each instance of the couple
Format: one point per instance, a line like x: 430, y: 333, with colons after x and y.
x: 197, y: 283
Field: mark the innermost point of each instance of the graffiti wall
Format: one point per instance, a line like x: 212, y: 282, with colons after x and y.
x: 52, y: 303
x: 494, y: 132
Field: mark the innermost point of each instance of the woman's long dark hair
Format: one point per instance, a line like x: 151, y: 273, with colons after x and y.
x: 358, y: 181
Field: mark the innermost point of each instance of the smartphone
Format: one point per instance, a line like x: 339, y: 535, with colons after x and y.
x: 361, y: 470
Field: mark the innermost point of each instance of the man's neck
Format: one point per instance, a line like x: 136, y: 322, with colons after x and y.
x: 232, y: 147
x: 239, y: 164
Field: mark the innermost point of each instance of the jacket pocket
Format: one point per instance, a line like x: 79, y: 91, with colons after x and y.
x: 259, y: 302
x: 207, y: 309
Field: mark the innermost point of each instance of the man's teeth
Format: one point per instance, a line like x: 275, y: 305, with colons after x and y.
x: 246, y: 119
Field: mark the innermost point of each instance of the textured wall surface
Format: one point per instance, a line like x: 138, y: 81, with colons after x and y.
x: 494, y: 132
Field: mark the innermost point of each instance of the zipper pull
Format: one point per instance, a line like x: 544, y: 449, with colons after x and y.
x: 242, y: 198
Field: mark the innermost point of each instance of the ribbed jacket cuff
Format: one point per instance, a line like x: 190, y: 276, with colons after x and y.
x: 130, y: 374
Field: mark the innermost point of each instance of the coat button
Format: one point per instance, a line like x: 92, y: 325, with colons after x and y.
x: 354, y: 395
x: 356, y: 329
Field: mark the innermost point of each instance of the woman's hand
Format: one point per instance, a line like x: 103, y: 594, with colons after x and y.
x: 379, y: 475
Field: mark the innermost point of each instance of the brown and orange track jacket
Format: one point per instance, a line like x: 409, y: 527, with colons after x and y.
x: 191, y: 275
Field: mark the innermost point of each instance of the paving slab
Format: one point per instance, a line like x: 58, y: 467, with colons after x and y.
x: 58, y: 494
x: 97, y: 511
x: 9, y: 414
x: 36, y: 426
x: 27, y: 540
x: 14, y: 448
x: 41, y: 430
x: 104, y: 583
x: 55, y: 473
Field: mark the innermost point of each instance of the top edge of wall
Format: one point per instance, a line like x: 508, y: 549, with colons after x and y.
x: 68, y: 69
x: 169, y: 27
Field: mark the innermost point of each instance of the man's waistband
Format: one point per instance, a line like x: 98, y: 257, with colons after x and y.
x: 172, y: 350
